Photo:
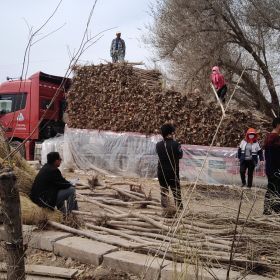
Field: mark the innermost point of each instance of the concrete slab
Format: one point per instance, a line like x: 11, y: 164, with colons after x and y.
x: 3, y: 276
x: 46, y: 271
x: 258, y: 277
x: 145, y: 266
x: 35, y: 277
x: 186, y: 271
x: 27, y: 232
x: 51, y: 271
x: 176, y: 271
x: 44, y: 240
x: 82, y: 249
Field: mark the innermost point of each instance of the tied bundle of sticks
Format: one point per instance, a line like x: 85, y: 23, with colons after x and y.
x: 130, y: 218
x: 121, y: 97
x: 25, y: 175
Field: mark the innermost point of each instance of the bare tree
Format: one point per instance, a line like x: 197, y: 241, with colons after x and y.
x: 195, y: 35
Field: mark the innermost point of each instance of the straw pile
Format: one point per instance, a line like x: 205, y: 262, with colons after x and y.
x: 120, y: 97
x: 25, y: 174
x: 32, y: 214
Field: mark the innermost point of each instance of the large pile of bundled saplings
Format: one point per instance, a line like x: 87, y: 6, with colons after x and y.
x: 121, y: 97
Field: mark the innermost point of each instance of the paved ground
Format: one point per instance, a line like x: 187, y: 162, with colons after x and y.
x: 35, y: 256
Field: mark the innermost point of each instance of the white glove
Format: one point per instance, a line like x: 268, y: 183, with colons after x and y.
x: 75, y: 181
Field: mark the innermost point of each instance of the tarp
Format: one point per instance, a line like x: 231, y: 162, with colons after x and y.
x: 134, y: 155
x: 52, y: 145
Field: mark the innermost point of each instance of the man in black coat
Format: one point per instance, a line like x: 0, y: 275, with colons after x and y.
x: 169, y: 152
x: 50, y: 189
x: 272, y: 169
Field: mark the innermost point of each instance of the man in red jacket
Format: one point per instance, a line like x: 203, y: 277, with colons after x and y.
x: 272, y: 169
x: 218, y: 80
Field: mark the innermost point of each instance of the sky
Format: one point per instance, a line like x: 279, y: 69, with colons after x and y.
x: 51, y: 54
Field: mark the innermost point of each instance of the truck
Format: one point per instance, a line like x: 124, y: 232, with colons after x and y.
x: 24, y: 102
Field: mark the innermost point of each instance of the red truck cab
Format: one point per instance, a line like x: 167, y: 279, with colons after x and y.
x: 23, y: 103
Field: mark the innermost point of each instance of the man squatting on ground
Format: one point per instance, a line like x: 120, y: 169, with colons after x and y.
x: 272, y: 169
x: 50, y: 189
x: 249, y: 152
x: 169, y: 152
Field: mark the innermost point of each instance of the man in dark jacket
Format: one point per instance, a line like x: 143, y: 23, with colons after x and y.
x: 272, y: 169
x: 169, y: 152
x: 50, y: 189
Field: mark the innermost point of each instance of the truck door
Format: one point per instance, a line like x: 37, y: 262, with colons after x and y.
x: 13, y: 114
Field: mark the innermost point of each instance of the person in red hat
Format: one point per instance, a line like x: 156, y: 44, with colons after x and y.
x: 249, y: 153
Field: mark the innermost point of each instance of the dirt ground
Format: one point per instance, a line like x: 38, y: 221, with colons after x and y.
x: 220, y: 201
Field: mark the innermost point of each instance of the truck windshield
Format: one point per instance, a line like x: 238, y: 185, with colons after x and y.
x: 11, y: 102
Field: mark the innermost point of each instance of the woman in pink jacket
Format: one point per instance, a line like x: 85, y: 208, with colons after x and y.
x: 218, y: 81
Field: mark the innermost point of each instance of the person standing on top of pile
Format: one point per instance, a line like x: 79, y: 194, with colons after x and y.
x: 169, y: 152
x: 117, y: 50
x: 218, y: 80
x: 272, y: 169
x: 249, y: 152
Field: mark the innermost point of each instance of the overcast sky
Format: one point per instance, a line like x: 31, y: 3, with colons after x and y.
x: 50, y: 55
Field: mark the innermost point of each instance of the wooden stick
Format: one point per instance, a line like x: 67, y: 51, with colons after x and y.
x: 125, y: 193
x: 100, y: 204
x: 94, y: 236
x: 129, y: 183
x: 117, y: 232
x: 234, y: 237
x: 139, y: 229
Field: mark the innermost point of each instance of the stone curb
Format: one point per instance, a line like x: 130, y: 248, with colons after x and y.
x: 97, y: 253
x: 147, y: 267
x: 83, y: 250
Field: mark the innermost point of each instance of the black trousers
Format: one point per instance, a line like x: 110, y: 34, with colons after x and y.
x: 244, y: 165
x: 176, y: 191
x: 272, y: 196
x: 173, y: 182
x: 222, y: 93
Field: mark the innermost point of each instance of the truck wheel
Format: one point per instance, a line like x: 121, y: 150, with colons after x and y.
x: 15, y: 144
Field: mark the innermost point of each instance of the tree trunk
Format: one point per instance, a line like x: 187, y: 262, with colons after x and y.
x: 241, y: 40
x: 12, y: 223
x: 251, y: 87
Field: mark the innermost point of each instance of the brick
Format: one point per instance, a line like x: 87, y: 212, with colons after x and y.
x: 82, y: 249
x: 44, y: 240
x: 145, y: 266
